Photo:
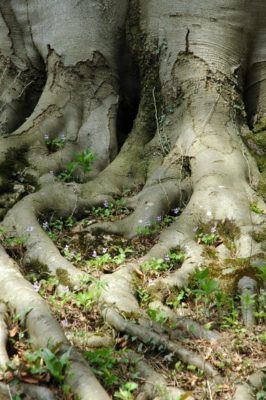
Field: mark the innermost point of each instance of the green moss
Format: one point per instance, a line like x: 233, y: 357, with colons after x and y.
x: 209, y: 253
x: 259, y: 236
x: 261, y: 190
x: 63, y: 276
x: 228, y: 230
x: 39, y: 268
x: 15, y: 161
x: 259, y: 126
x: 232, y: 270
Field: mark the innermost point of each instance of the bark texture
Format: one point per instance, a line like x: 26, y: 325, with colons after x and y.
x: 195, y: 141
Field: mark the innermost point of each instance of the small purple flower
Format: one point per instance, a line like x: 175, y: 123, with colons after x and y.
x: 65, y: 289
x: 213, y: 229
x: 195, y: 229
x: 175, y: 211
x: 104, y: 250
x: 65, y: 322
x: 36, y: 286
x: 166, y: 258
x: 45, y: 225
x: 29, y: 229
x: 94, y: 254
x: 105, y: 204
x: 158, y: 218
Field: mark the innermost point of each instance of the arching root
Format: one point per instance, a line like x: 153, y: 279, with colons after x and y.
x: 184, y: 326
x: 246, y: 391
x: 118, y: 298
x: 247, y: 288
x: 42, y: 328
x: 3, y: 336
x: 162, y: 341
x: 32, y: 392
x: 155, y: 385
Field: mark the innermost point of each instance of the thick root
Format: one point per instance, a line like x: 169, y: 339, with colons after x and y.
x: 32, y: 392
x: 3, y: 336
x: 147, y: 336
x: 43, y: 328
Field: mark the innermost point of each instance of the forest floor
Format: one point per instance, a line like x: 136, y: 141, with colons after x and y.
x: 236, y: 354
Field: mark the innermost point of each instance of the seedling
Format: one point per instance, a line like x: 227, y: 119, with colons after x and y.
x: 158, y: 315
x: 104, y: 362
x: 154, y: 265
x: 81, y: 161
x: 55, y: 144
x: 126, y: 391
x: 109, y: 209
x: 106, y: 258
x: 254, y: 208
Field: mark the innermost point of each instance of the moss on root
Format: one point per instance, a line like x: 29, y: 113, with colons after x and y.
x: 232, y: 270
x: 39, y: 268
x: 63, y: 277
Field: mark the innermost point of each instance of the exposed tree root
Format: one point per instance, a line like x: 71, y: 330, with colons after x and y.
x: 3, y: 336
x: 155, y: 386
x: 247, y: 287
x: 184, y: 151
x: 118, y: 295
x: 28, y: 391
x: 184, y: 326
x: 161, y: 341
x: 246, y: 391
x: 42, y: 328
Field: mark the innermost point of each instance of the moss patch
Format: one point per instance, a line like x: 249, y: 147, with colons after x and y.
x: 63, y: 277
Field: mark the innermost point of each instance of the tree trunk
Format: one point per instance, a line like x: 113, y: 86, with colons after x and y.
x: 185, y: 122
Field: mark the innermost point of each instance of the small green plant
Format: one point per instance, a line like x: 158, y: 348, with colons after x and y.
x: 207, y: 294
x: 106, y: 258
x: 231, y: 321
x: 109, y: 209
x: 158, y: 316
x: 126, y: 391
x: 142, y: 295
x: 48, y: 360
x: 248, y: 300
x: 13, y: 244
x: 55, y: 227
x: 104, y: 363
x: 262, y: 273
x: 254, y: 208
x: 205, y: 234
x: 262, y: 337
x: 71, y: 255
x: 154, y: 265
x: 176, y: 302
x: 55, y: 144
x: 261, y: 394
x: 122, y: 255
x: 81, y: 161
x: 148, y: 230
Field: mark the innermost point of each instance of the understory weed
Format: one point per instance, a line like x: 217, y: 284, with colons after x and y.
x: 44, y: 364
x: 110, y: 209
x: 106, y: 258
x: 106, y: 364
x: 82, y: 161
x: 55, y: 144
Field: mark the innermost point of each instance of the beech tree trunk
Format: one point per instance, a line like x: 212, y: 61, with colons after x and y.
x: 170, y: 96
